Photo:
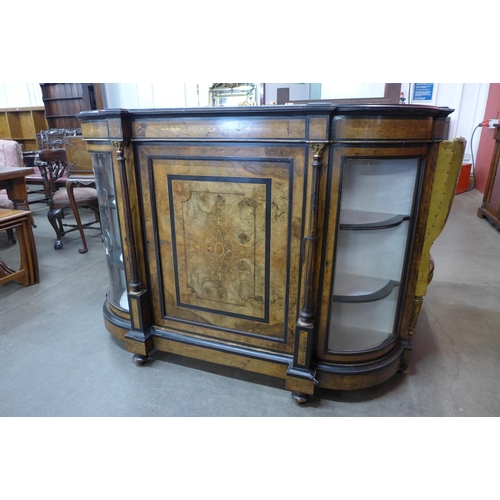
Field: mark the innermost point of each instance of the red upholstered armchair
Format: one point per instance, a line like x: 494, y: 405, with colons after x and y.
x: 10, y: 156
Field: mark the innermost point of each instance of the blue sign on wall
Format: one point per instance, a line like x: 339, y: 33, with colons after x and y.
x: 423, y: 91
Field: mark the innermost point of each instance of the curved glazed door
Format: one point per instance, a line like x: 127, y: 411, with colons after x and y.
x: 368, y: 248
x: 113, y: 248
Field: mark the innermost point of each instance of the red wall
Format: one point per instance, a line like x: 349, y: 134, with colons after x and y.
x: 486, y: 142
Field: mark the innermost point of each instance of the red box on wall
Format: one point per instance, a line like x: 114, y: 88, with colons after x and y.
x: 463, y: 179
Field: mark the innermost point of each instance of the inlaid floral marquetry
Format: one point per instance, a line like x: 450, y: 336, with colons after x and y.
x: 222, y: 241
x: 217, y: 128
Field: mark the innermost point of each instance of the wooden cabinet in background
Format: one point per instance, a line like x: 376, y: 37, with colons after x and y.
x: 284, y: 240
x: 22, y: 125
x: 78, y: 158
x: 490, y: 207
x: 63, y: 101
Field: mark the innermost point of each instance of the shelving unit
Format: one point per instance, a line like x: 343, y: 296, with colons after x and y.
x: 79, y: 159
x: 63, y: 101
x: 22, y: 125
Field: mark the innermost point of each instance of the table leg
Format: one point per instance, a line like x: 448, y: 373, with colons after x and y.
x: 16, y: 191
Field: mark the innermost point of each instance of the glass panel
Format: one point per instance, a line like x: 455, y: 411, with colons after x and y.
x: 103, y: 169
x: 232, y: 94
x: 376, y: 202
x: 379, y: 185
x: 359, y: 326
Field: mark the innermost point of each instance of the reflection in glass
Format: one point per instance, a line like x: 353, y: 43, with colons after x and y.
x: 233, y: 94
x: 103, y: 169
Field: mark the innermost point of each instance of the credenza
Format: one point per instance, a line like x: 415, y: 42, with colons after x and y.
x: 283, y: 240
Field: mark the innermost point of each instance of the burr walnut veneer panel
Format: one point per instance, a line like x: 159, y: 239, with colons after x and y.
x: 224, y: 228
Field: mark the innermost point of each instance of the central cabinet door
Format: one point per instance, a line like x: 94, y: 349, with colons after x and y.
x: 224, y: 226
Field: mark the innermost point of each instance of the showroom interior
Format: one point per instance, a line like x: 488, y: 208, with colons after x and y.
x: 69, y: 350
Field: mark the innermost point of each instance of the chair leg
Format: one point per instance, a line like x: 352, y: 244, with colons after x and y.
x: 70, y: 190
x: 83, y: 248
x: 54, y: 216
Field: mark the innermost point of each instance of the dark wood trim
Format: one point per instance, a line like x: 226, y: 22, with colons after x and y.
x: 99, y: 100
x: 392, y: 94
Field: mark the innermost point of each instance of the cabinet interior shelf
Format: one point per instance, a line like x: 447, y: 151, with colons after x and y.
x: 357, y: 289
x: 60, y: 98
x: 355, y: 339
x: 61, y: 116
x: 359, y: 220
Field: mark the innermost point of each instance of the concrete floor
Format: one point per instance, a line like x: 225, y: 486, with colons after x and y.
x: 57, y: 359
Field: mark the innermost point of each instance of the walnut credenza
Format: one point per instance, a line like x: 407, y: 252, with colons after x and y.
x: 284, y: 240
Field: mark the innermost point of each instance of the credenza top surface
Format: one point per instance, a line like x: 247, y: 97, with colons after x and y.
x: 306, y: 109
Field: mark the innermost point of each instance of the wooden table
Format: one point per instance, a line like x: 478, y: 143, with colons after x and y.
x: 13, y: 179
x: 28, y: 273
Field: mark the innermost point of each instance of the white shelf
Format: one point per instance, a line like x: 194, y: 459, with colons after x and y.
x: 357, y: 339
x: 355, y: 288
x: 372, y: 253
x: 361, y: 219
x: 365, y: 325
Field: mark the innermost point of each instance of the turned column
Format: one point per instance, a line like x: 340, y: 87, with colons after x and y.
x: 301, y: 373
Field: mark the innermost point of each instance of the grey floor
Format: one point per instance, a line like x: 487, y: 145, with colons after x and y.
x: 57, y: 359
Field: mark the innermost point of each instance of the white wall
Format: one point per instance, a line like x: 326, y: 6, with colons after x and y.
x: 20, y: 95
x: 155, y: 95
x: 469, y: 102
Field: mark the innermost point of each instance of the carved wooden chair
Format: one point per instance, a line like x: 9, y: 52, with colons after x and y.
x: 46, y: 139
x: 67, y: 193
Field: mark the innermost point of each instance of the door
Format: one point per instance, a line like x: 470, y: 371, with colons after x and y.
x: 370, y: 228
x: 224, y: 224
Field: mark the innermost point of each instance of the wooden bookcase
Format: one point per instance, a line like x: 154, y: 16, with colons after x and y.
x: 63, y: 101
x: 22, y: 125
x: 78, y: 158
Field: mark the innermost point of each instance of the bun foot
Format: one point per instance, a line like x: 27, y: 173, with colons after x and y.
x: 300, y: 398
x: 140, y: 359
x: 402, y: 368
